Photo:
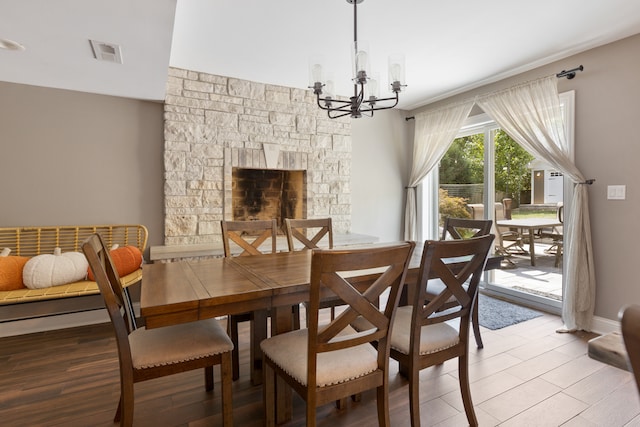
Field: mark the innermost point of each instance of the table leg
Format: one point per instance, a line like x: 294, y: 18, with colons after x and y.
x: 258, y: 333
x: 281, y: 322
x: 532, y: 246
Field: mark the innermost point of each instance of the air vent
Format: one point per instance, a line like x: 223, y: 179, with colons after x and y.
x: 106, y: 51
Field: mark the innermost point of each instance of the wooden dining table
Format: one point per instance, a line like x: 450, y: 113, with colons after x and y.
x: 187, y: 291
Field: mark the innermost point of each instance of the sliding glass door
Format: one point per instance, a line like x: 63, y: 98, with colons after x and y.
x: 485, y: 174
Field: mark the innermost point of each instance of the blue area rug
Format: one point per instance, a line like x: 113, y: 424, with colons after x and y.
x: 497, y: 314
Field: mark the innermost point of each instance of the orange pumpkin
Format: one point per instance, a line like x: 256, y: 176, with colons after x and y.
x: 11, y: 272
x: 126, y: 260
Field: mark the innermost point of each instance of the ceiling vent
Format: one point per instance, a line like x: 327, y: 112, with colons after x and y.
x: 106, y: 51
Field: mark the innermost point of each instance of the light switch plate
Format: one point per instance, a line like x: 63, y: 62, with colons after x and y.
x: 616, y: 192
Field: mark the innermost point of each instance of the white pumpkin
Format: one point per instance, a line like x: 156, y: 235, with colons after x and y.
x: 43, y: 271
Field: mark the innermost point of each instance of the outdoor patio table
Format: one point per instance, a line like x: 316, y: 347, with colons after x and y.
x: 530, y: 224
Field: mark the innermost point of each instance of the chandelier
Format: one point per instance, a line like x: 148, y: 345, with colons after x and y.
x: 365, y: 99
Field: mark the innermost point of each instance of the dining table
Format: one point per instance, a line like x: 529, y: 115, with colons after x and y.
x: 531, y: 225
x: 187, y: 291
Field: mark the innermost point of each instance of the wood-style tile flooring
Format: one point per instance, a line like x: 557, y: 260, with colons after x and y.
x: 527, y: 375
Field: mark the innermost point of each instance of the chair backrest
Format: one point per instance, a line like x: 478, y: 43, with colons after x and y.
x: 464, y: 228
x: 459, y: 265
x: 560, y: 212
x: 361, y: 299
x: 248, y: 236
x: 309, y: 232
x: 629, y: 321
x: 116, y: 301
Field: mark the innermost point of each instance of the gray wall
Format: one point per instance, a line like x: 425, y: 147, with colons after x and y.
x: 72, y: 158
x: 607, y: 148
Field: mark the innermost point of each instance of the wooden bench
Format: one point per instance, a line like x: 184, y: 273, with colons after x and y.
x: 32, y: 241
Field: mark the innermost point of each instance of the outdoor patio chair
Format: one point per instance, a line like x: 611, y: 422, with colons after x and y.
x: 557, y: 237
x: 508, y: 240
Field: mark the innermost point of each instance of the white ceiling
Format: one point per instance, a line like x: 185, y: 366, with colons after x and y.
x: 450, y: 46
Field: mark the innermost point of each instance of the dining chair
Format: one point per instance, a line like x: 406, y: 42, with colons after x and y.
x: 250, y: 238
x: 461, y: 228
x: 330, y: 361
x: 629, y: 321
x: 422, y: 335
x: 309, y: 234
x: 245, y: 238
x: 146, y: 354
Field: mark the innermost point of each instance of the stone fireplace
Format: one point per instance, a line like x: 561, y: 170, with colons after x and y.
x: 217, y: 126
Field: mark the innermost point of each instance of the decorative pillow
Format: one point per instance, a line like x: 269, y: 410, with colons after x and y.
x: 126, y: 260
x: 43, y: 271
x: 11, y: 271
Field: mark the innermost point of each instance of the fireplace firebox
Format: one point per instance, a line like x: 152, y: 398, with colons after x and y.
x: 259, y: 194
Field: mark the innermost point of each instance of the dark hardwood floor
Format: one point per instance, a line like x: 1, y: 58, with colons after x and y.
x: 526, y: 375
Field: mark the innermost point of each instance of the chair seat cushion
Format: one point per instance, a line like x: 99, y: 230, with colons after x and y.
x: 178, y: 343
x: 289, y: 352
x: 433, y: 338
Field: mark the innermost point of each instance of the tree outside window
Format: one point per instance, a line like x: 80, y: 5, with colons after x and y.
x: 464, y: 164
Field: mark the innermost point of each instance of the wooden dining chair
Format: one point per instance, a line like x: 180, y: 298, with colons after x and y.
x: 629, y: 321
x: 146, y: 354
x: 464, y: 228
x: 310, y: 234
x: 242, y: 238
x: 331, y: 361
x: 250, y: 238
x: 461, y: 228
x: 421, y: 336
x: 246, y: 238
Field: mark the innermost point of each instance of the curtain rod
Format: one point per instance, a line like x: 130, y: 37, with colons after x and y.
x: 569, y: 74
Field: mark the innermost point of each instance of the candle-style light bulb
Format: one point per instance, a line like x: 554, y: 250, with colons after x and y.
x: 360, y: 59
x: 396, y: 72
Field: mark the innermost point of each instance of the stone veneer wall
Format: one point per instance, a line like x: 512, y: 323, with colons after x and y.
x: 215, y: 123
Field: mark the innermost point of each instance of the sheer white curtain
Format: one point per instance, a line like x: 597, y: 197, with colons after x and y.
x: 434, y: 132
x: 531, y: 115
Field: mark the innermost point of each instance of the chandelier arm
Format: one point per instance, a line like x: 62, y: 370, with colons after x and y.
x: 339, y: 101
x: 338, y: 115
x: 384, y: 107
x: 391, y: 98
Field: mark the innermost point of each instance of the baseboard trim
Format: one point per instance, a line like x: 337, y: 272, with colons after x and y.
x: 600, y: 325
x: 50, y: 323
x: 604, y: 326
x: 58, y: 321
